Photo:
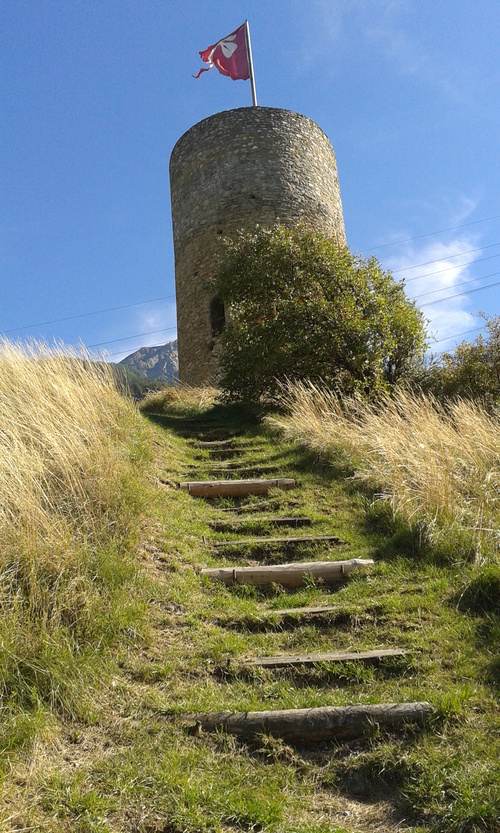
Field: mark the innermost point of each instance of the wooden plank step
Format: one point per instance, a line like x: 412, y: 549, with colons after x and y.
x: 246, y: 448
x: 235, y: 488
x: 288, y: 575
x: 297, y: 660
x: 323, y: 610
x: 231, y: 441
x: 301, y: 612
x: 313, y: 725
x: 227, y: 526
x: 307, y: 539
x: 252, y: 509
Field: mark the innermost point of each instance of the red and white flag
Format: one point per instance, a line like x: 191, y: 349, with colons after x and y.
x: 229, y: 55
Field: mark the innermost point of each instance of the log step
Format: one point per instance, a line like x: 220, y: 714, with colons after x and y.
x: 313, y: 725
x: 235, y: 488
x: 250, y: 510
x: 298, y: 660
x: 228, y: 526
x: 288, y: 575
x: 214, y: 444
x: 289, y: 618
x: 303, y: 612
x: 308, y: 539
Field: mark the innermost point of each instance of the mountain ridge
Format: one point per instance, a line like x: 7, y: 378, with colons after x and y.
x: 158, y: 362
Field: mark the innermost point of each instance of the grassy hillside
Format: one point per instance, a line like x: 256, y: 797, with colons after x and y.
x: 71, y: 455
x: 137, y: 637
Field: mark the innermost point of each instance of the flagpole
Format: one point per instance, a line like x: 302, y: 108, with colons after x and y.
x: 250, y: 63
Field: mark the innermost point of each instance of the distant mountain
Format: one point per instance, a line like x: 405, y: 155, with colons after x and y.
x: 158, y: 363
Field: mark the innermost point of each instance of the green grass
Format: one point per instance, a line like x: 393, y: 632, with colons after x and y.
x: 128, y: 765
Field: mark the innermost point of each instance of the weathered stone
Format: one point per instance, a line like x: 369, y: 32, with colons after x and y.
x: 234, y: 170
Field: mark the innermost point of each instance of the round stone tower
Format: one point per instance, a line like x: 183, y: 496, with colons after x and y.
x: 234, y: 170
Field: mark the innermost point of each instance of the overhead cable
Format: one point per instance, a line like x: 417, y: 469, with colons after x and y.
x: 446, y: 257
x: 449, y: 268
x: 459, y: 294
x: 128, y: 338
x: 429, y: 234
x: 458, y: 335
x: 462, y: 283
x: 85, y: 314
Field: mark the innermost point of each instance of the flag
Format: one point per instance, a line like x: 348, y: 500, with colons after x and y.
x: 229, y: 55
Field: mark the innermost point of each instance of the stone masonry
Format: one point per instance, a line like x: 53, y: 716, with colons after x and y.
x: 231, y: 171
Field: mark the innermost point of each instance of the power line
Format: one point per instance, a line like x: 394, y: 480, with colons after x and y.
x: 128, y: 338
x: 447, y: 257
x: 429, y: 234
x: 449, y: 268
x: 414, y: 266
x: 86, y: 314
x: 462, y: 283
x: 168, y: 297
x: 459, y: 294
x: 458, y: 335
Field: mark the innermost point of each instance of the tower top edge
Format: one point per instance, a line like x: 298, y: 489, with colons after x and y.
x: 250, y: 114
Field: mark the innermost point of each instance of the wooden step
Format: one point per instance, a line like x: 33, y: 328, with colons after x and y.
x: 288, y: 575
x: 235, y: 488
x: 227, y: 526
x: 303, y: 612
x: 308, y: 539
x: 293, y: 617
x: 312, y: 725
x: 230, y: 442
x: 252, y: 509
x: 297, y: 660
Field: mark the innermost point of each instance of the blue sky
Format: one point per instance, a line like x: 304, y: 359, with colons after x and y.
x: 95, y: 93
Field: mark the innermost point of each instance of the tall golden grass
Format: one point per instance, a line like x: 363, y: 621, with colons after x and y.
x: 67, y: 447
x: 434, y: 465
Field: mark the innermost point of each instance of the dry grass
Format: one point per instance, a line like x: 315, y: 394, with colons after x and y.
x: 436, y: 467
x: 181, y: 397
x: 65, y: 462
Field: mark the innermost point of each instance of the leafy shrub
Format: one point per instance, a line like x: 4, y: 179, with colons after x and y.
x: 470, y: 371
x: 300, y: 307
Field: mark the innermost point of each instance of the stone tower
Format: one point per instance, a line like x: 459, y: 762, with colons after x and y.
x: 234, y: 170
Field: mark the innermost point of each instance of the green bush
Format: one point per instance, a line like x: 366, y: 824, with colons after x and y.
x: 300, y: 307
x: 470, y: 371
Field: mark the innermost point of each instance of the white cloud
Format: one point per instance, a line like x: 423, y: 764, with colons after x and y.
x: 151, y: 326
x: 156, y: 317
x: 434, y: 271
x: 387, y: 27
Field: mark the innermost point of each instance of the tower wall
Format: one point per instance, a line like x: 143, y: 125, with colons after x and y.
x: 234, y: 170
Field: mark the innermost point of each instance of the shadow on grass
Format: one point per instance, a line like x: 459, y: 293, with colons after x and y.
x: 480, y: 599
x: 217, y: 422
x: 289, y: 622
x: 282, y: 553
x: 342, y: 675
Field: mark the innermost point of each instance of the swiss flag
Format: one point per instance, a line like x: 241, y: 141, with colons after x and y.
x: 229, y: 55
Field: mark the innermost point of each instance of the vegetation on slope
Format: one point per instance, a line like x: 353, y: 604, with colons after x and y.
x: 70, y: 454
x: 471, y: 370
x: 434, y: 467
x: 299, y: 307
x: 127, y: 764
